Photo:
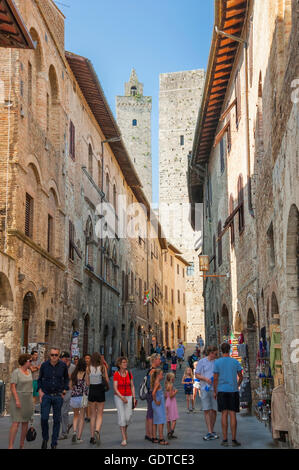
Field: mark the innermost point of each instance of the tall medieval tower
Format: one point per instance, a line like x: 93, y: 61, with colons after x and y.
x: 179, y: 102
x: 133, y: 114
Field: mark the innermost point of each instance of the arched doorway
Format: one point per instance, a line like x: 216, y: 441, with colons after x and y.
x: 85, y: 334
x: 113, y: 344
x: 166, y: 335
x: 179, y: 330
x: 106, y: 333
x: 252, y: 349
x: 172, y: 335
x: 139, y: 340
x: 224, y: 326
x: 132, y: 339
x: 274, y: 307
x: 29, y: 305
x: 50, y: 329
x: 6, y: 315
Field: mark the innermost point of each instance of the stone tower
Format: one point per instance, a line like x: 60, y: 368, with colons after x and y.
x: 179, y: 102
x: 133, y: 114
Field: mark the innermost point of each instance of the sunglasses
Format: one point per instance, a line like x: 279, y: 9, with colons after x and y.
x: 54, y: 355
x: 29, y: 360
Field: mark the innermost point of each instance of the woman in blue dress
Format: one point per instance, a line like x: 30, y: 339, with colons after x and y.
x: 158, y: 407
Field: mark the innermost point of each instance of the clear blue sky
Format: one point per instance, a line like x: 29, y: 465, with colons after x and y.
x: 153, y: 36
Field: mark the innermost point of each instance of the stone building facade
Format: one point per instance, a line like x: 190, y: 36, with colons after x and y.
x: 133, y: 114
x: 179, y: 99
x: 70, y: 275
x: 174, y: 295
x: 247, y: 136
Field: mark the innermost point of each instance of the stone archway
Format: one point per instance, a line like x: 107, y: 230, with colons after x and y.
x: 224, y: 322
x: 166, y: 335
x: 113, y: 344
x: 172, y: 335
x: 139, y: 340
x: 106, y: 333
x: 6, y: 312
x: 86, y: 334
x: 28, y: 334
x: 252, y: 347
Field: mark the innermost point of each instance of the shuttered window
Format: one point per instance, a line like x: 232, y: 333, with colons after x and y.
x: 232, y: 224
x: 166, y: 293
x: 50, y: 234
x: 72, y: 140
x: 214, y: 250
x: 219, y: 244
x: 29, y: 216
x: 238, y: 98
x: 222, y: 166
x: 29, y: 84
x: 241, y: 203
x: 71, y: 241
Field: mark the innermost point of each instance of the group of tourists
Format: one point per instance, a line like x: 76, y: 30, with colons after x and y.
x: 60, y: 384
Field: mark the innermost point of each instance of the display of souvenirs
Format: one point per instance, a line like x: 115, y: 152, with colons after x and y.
x: 265, y: 382
x: 234, y: 342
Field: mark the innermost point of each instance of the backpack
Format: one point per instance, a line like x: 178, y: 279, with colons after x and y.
x: 143, y: 390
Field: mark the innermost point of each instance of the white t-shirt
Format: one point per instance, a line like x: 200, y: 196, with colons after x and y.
x: 96, y: 376
x: 206, y: 369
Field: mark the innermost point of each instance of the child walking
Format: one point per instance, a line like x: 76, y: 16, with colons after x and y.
x: 171, y: 405
x: 188, y: 387
x: 174, y: 361
x: 196, y: 384
x: 158, y: 405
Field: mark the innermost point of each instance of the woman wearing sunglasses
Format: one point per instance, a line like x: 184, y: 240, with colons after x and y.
x: 21, y: 402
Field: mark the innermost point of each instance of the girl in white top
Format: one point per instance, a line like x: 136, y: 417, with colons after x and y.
x: 96, y: 396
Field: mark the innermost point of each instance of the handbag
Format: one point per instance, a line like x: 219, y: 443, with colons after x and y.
x: 134, y: 404
x: 31, y: 434
x: 84, y: 401
x: 105, y: 383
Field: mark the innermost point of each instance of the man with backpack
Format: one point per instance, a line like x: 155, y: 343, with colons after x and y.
x: 146, y: 393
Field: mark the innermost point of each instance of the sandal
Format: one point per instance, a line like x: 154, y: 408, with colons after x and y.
x: 172, y: 435
x: 162, y: 442
x: 155, y: 440
x: 169, y: 435
x: 148, y: 438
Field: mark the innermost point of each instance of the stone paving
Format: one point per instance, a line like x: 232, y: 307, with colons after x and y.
x: 190, y: 428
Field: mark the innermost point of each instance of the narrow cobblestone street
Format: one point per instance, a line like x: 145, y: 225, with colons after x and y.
x: 190, y: 428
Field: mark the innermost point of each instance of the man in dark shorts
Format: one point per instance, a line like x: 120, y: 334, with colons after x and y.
x: 227, y: 379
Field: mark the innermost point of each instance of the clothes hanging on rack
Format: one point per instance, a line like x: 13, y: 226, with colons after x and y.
x: 279, y: 412
x: 275, y: 353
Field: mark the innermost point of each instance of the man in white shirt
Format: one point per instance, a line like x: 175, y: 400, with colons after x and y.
x: 205, y: 373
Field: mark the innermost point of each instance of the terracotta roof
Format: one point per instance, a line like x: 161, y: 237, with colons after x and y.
x: 13, y: 32
x: 229, y: 17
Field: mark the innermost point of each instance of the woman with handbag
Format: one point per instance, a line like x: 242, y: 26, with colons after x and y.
x: 124, y: 396
x: 79, y: 398
x: 99, y: 384
x: 21, y: 402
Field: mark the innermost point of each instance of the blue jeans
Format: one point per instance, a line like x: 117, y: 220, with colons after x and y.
x: 56, y: 402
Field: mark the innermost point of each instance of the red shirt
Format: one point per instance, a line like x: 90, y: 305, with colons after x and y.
x: 123, y: 384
